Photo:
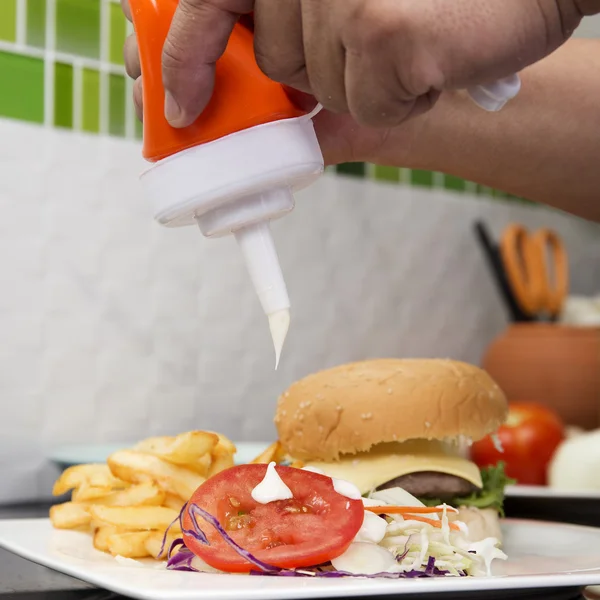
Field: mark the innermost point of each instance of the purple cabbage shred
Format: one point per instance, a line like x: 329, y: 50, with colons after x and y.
x: 180, y: 557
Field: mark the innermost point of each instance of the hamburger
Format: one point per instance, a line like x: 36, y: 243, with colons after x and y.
x: 401, y: 423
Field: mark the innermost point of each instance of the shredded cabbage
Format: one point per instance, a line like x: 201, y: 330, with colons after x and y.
x: 419, y: 548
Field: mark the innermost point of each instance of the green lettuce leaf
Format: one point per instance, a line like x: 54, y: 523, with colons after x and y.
x: 491, y: 495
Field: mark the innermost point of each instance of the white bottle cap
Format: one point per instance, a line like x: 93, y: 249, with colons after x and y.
x: 238, y: 184
x: 494, y: 96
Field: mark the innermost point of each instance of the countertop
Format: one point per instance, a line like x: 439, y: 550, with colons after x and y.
x: 23, y: 580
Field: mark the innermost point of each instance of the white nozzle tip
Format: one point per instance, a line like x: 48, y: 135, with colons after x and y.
x: 279, y: 324
x: 494, y: 96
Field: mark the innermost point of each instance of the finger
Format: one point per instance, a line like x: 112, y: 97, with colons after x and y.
x: 324, y: 53
x: 278, y: 42
x: 197, y: 39
x: 138, y: 99
x: 377, y: 94
x: 132, y: 57
x: 126, y: 9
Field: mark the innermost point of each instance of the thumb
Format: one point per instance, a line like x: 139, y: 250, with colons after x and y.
x: 197, y: 39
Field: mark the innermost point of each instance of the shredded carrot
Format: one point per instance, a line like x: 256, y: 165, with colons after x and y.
x: 411, y: 510
x: 437, y: 524
x: 411, y: 513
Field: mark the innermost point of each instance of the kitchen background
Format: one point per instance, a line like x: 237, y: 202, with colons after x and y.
x: 114, y: 328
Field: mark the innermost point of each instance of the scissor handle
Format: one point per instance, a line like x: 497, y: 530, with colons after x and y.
x: 550, y: 247
x: 525, y: 257
x: 525, y: 272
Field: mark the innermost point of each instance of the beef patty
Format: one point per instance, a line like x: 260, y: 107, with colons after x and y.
x: 429, y: 484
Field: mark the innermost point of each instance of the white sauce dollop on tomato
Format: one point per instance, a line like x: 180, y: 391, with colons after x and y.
x: 271, y: 488
x: 347, y: 489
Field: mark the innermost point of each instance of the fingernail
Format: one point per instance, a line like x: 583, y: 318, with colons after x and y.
x: 172, y: 108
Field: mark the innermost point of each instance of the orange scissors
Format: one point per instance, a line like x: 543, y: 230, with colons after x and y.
x: 537, y: 269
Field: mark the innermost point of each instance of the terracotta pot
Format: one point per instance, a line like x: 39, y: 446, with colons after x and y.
x: 553, y: 364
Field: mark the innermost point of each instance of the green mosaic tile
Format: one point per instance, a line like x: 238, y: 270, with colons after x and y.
x: 36, y: 23
x: 454, y: 183
x: 356, y: 169
x: 63, y: 95
x: 8, y: 20
x: 116, y: 88
x: 22, y: 85
x: 90, y: 118
x: 421, y: 178
x: 118, y: 33
x: 391, y: 174
x: 78, y: 27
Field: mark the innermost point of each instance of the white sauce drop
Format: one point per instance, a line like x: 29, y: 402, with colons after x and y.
x: 497, y: 443
x: 372, y: 530
x: 279, y: 323
x: 347, y: 489
x: 271, y: 488
x: 366, y: 559
x: 488, y: 550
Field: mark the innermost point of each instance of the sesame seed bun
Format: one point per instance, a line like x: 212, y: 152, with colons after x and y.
x: 352, y: 407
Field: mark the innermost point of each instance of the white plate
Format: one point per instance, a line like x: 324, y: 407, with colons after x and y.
x: 74, y: 455
x: 548, y: 493
x: 542, y: 555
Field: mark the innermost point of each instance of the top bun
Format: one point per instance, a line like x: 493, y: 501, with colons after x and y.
x: 352, y: 407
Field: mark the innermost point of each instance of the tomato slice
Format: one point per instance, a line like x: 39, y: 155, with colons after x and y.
x: 313, y: 527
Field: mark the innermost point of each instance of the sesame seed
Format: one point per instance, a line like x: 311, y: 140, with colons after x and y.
x: 320, y: 397
x: 427, y: 424
x: 366, y: 416
x: 286, y: 395
x: 390, y: 390
x: 338, y: 407
x: 320, y: 428
x: 301, y: 417
x: 394, y: 437
x: 355, y: 462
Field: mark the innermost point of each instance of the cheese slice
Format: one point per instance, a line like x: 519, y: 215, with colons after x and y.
x: 384, y: 462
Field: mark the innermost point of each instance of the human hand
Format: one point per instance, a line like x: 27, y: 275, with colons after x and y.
x: 369, y: 62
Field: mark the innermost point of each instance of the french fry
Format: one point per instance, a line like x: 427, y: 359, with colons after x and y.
x: 137, y: 467
x: 136, y: 518
x: 85, y: 492
x: 224, y: 445
x: 129, y: 545
x: 202, y: 465
x: 184, y: 449
x: 101, y: 537
x: 220, y: 462
x: 154, y: 542
x: 273, y: 453
x: 94, y: 475
x: 69, y: 515
x: 142, y: 494
x: 173, y: 502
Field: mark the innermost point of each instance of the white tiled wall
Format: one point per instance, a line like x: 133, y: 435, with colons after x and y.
x: 112, y: 328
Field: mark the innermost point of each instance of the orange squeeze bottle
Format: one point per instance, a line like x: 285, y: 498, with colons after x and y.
x: 237, y: 166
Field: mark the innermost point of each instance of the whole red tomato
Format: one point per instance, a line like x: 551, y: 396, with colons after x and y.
x: 529, y: 438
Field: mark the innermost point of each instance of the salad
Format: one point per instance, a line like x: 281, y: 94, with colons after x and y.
x: 273, y: 520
